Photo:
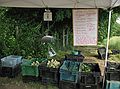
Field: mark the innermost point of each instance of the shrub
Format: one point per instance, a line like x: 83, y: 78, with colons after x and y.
x: 114, y: 42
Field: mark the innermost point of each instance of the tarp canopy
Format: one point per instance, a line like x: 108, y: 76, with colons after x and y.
x: 106, y: 4
x: 60, y: 3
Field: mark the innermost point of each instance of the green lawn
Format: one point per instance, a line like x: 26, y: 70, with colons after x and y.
x: 17, y: 83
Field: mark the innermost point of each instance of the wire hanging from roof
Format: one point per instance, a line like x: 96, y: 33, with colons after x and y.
x: 95, y: 3
x: 44, y: 4
x: 113, y: 4
x: 75, y: 3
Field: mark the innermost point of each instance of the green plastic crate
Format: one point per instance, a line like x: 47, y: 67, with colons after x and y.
x: 28, y: 69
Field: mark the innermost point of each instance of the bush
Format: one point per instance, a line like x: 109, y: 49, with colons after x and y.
x: 115, y: 58
x: 114, y: 42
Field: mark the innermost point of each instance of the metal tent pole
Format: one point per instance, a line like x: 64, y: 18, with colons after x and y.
x: 108, y: 37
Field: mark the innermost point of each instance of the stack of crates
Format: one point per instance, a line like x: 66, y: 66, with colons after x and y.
x: 112, y: 75
x: 49, y: 74
x: 89, y: 76
x: 10, y: 65
x: 69, y: 72
x: 30, y: 69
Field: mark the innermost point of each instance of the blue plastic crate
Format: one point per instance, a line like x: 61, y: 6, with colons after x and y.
x: 112, y: 84
x: 11, y: 61
x: 69, y: 71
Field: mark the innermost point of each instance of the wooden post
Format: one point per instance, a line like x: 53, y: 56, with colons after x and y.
x: 63, y: 38
x: 67, y: 38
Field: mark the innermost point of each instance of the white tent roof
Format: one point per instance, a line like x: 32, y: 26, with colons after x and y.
x: 60, y: 3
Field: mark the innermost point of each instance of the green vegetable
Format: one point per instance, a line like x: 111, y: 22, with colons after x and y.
x: 86, y: 67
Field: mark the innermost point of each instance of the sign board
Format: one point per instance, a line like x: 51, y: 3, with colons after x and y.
x: 85, y: 25
x: 47, y: 16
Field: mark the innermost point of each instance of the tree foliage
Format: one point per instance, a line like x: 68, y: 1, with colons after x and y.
x: 21, y: 29
x: 103, y: 23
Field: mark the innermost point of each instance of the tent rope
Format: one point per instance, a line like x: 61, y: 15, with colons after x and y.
x: 113, y: 4
x: 44, y: 4
x: 95, y: 3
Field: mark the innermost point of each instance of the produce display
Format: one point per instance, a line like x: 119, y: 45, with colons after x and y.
x: 37, y: 61
x: 86, y: 67
x: 115, y: 58
x: 53, y: 63
x: 29, y: 57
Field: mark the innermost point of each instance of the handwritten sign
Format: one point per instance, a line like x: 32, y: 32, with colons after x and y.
x: 85, y: 23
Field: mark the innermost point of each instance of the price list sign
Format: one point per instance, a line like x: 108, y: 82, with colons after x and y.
x: 85, y: 27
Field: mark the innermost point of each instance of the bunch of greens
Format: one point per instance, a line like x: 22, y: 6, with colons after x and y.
x: 115, y: 58
x: 86, y: 67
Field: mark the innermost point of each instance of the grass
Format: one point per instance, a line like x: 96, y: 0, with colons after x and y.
x: 17, y: 83
x: 115, y: 58
x: 114, y: 42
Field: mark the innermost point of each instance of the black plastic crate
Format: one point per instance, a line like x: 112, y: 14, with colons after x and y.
x: 113, y: 76
x: 71, y: 57
x: 114, y: 51
x: 92, y: 77
x: 113, y: 67
x: 89, y: 86
x: 26, y: 79
x: 45, y: 80
x: 10, y: 71
x: 67, y: 85
x: 113, y: 71
x: 49, y: 74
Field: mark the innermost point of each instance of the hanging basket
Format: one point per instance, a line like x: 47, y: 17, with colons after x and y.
x: 47, y: 39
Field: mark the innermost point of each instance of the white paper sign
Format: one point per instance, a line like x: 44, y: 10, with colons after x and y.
x: 85, y: 25
x: 47, y: 16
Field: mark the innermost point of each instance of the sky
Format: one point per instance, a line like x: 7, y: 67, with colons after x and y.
x: 118, y: 20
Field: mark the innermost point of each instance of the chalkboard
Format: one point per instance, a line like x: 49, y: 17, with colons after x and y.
x: 85, y: 26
